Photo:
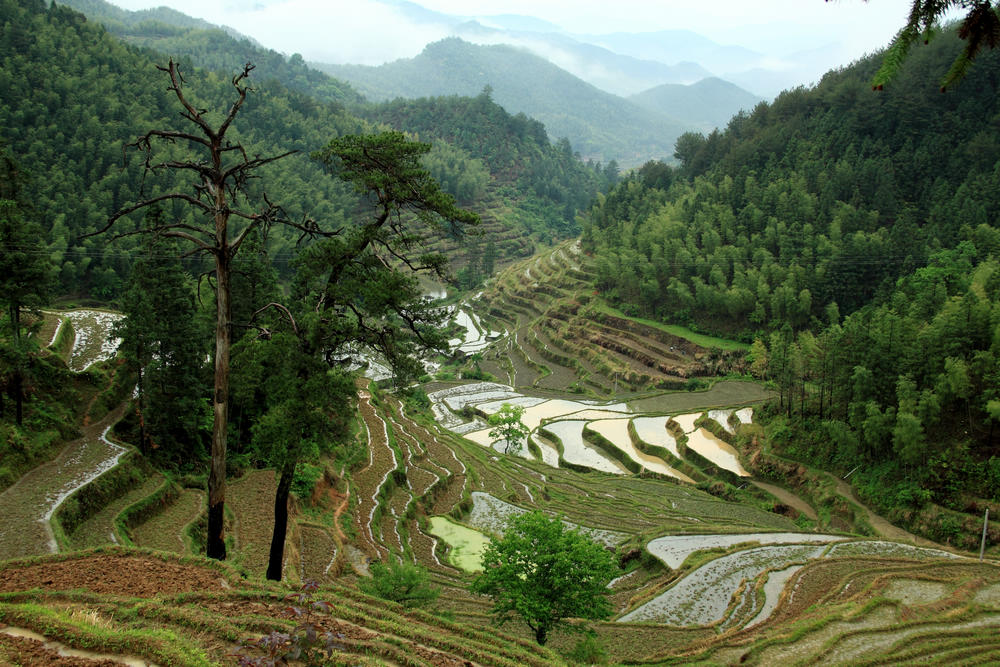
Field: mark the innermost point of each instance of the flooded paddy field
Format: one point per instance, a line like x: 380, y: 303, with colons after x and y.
x: 461, y: 408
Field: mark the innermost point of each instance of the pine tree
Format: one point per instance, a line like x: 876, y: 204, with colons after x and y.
x: 25, y: 277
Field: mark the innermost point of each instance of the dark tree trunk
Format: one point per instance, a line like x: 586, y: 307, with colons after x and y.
x: 18, y: 380
x: 541, y: 635
x: 277, y: 555
x: 18, y: 389
x: 216, y: 545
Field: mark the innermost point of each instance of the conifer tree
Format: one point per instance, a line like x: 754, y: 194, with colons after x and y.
x: 25, y: 276
x: 221, y: 173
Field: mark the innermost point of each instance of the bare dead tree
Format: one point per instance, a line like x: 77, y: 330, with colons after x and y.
x: 221, y: 177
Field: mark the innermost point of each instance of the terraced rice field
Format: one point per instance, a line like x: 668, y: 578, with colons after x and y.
x: 563, y: 423
x: 99, y: 528
x: 93, y: 341
x: 616, y: 432
x: 29, y: 504
x: 558, y: 341
x: 709, y: 445
x: 165, y: 530
x: 703, y: 596
x: 254, y: 526
x: 728, y: 581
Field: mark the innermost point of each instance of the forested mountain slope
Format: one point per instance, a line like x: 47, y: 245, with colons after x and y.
x: 73, y: 95
x: 515, y: 149
x: 854, y: 234
x: 600, y: 125
x: 212, y: 47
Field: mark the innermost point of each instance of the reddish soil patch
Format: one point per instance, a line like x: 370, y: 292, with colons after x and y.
x: 32, y: 653
x: 132, y: 576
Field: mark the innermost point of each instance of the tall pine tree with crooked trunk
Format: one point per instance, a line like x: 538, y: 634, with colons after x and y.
x: 229, y: 215
x: 355, y: 295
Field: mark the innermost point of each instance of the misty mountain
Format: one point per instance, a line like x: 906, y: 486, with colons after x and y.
x: 763, y: 74
x: 805, y: 67
x: 707, y: 104
x: 599, y: 125
x: 212, y: 47
x: 109, y: 14
x: 612, y: 72
x: 620, y: 63
x: 673, y: 46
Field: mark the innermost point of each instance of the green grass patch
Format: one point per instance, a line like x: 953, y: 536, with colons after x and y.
x: 674, y: 329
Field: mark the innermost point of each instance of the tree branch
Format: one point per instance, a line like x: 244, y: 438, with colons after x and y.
x: 194, y: 201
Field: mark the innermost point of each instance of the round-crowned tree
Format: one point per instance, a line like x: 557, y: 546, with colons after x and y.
x: 507, y: 426
x: 545, y: 573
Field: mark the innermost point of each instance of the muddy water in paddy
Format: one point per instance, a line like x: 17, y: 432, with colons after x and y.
x: 702, y: 597
x: 674, y: 549
x: 654, y: 431
x: 717, y: 451
x: 575, y: 451
x: 616, y: 431
x: 558, y: 407
x: 550, y: 455
x: 686, y: 421
x: 775, y: 583
x: 490, y: 515
x: 721, y: 417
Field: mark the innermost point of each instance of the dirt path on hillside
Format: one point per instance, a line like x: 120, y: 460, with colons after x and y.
x: 27, y: 506
x: 788, y: 498
x: 880, y: 524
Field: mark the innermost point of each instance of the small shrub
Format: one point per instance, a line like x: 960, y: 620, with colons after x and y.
x: 695, y: 384
x: 304, y: 481
x: 405, y: 583
x: 589, y: 651
x: 305, y: 642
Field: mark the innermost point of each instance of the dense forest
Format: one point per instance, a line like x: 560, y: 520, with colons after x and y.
x: 850, y: 235
x: 74, y: 94
x: 76, y: 97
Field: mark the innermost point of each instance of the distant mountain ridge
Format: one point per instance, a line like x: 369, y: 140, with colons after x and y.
x: 599, y: 125
x: 606, y: 69
x: 707, y: 104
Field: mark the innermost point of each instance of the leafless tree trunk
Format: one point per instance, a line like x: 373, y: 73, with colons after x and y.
x: 221, y: 175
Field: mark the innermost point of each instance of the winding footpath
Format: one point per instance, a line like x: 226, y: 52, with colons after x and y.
x: 880, y: 523
x: 28, y: 505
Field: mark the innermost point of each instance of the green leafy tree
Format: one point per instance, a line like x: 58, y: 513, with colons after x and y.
x: 307, y: 414
x: 164, y: 344
x: 507, y: 426
x: 405, y: 583
x: 544, y: 573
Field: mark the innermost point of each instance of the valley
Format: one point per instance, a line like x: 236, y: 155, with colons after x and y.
x: 467, y: 359
x: 721, y: 572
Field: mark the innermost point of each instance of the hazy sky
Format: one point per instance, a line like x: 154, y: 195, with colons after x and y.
x: 364, y: 31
